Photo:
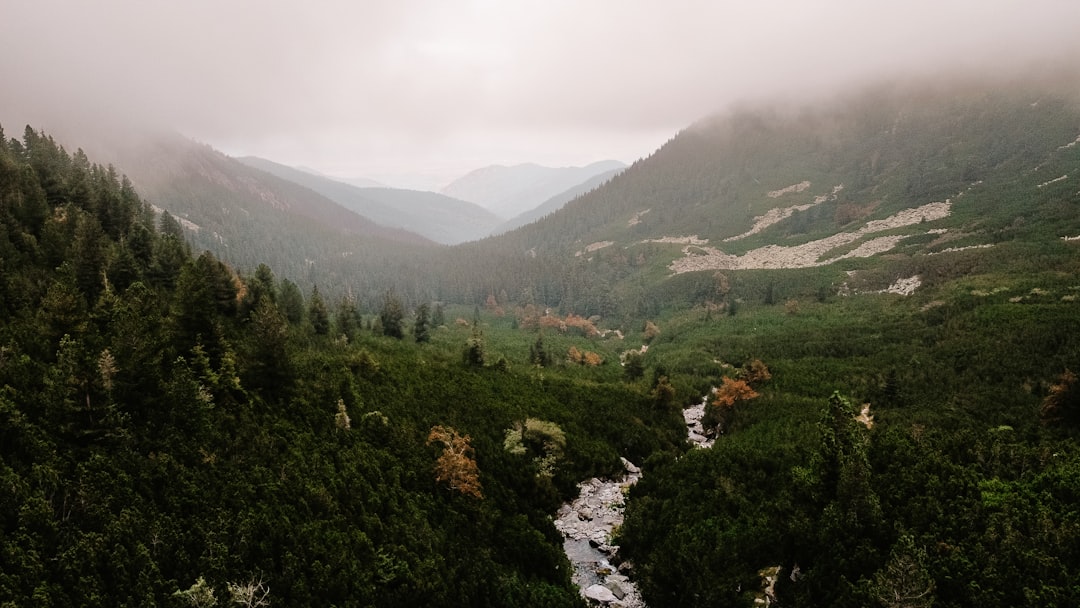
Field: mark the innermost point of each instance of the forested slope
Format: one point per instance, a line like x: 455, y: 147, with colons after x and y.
x: 248, y: 217
x: 757, y: 184
x: 171, y: 430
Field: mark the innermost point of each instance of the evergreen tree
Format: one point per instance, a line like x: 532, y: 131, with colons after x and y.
x: 475, y: 349
x: 538, y: 355
x: 317, y: 313
x: 420, y: 328
x: 392, y: 316
x: 291, y: 302
x: 347, y: 319
x: 169, y: 226
x: 438, y: 317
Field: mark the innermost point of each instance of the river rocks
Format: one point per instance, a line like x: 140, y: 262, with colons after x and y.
x: 587, y: 524
x: 600, y: 593
x: 695, y: 432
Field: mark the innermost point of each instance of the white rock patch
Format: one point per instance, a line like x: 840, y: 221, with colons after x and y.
x: 809, y: 254
x: 799, y: 187
x: 904, y: 287
x: 965, y: 248
x: 591, y: 247
x: 636, y: 218
x: 679, y: 240
x: 1055, y: 180
x: 772, y: 216
x: 1070, y: 144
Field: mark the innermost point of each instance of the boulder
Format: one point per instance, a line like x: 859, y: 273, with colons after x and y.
x: 616, y: 588
x: 600, y: 593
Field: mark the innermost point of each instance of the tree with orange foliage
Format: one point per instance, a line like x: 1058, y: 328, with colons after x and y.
x: 592, y: 359
x: 1062, y: 404
x: 731, y: 391
x: 574, y: 355
x: 456, y: 466
x: 651, y: 331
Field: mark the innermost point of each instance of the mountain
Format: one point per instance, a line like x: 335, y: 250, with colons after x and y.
x: 511, y: 191
x: 556, y: 202
x: 438, y: 217
x: 247, y: 216
x: 359, y: 182
x: 898, y: 175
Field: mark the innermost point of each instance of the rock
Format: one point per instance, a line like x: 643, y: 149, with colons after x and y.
x: 585, y: 514
x: 600, y: 593
x: 630, y: 467
x: 616, y: 588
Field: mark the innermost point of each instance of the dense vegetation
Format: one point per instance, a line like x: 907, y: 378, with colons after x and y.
x: 168, y: 426
x: 964, y: 476
x: 397, y: 427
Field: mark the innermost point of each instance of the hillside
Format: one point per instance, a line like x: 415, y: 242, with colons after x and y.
x: 902, y: 171
x: 556, y: 202
x: 440, y: 218
x: 511, y: 191
x: 248, y: 217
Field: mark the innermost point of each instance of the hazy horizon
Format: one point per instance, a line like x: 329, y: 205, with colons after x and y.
x: 437, y: 89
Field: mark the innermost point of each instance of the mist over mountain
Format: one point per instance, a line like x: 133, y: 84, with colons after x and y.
x: 248, y: 217
x: 817, y: 346
x: 359, y: 182
x: 438, y: 217
x: 865, y: 309
x: 511, y: 191
x: 556, y: 202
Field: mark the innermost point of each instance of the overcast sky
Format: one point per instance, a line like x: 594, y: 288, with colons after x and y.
x: 440, y: 87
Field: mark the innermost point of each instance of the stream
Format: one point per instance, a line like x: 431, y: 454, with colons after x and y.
x: 587, y: 523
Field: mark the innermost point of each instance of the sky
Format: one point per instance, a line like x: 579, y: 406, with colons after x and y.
x: 423, y: 91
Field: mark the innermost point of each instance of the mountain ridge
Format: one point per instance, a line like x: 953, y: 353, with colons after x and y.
x: 441, y: 218
x: 510, y: 190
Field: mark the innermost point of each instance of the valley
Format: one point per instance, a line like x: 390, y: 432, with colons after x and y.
x: 831, y: 347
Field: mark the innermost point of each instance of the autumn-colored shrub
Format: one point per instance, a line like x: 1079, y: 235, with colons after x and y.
x: 456, y: 466
x: 731, y: 391
x: 651, y: 331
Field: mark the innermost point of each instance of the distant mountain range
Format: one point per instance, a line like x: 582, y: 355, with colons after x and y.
x: 900, y: 172
x: 440, y: 218
x: 247, y: 216
x: 556, y: 202
x: 512, y: 191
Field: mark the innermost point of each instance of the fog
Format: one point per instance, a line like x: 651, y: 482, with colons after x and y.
x: 442, y: 87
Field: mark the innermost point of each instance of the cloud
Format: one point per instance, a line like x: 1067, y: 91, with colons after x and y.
x: 350, y: 87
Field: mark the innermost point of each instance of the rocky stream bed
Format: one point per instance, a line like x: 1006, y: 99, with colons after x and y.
x: 587, y: 524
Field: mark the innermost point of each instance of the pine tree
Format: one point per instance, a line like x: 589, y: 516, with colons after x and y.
x: 392, y: 316
x: 291, y: 302
x: 438, y: 318
x: 317, y: 314
x: 420, y: 328
x: 475, y: 352
x: 537, y: 354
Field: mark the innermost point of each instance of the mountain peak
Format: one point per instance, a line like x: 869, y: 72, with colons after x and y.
x: 509, y: 191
